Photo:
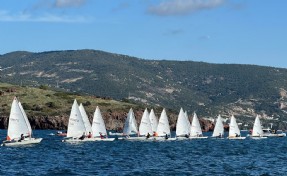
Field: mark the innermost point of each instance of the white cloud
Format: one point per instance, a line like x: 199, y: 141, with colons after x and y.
x: 68, y: 3
x: 182, y: 7
x: 5, y: 16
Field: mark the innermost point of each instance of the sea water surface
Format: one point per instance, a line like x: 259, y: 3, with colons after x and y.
x: 187, y: 157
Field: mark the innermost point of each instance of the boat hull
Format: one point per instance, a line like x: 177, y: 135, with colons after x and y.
x: 72, y: 140
x: 141, y: 138
x: 198, y: 137
x: 236, y: 138
x: 23, y: 142
x: 182, y: 138
x: 275, y: 135
x: 258, y: 137
x: 163, y: 139
x: 115, y: 134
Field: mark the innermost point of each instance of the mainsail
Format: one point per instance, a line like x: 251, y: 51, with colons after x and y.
x: 233, y: 128
x: 257, y: 129
x: 163, y: 125
x: 145, y: 125
x: 182, y: 127
x: 76, y: 126
x: 153, y: 120
x: 130, y: 126
x: 218, y: 129
x: 195, y: 129
x: 98, y: 125
x: 85, y: 119
x: 18, y: 124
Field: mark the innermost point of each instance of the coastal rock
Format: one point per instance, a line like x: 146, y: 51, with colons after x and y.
x: 113, y: 120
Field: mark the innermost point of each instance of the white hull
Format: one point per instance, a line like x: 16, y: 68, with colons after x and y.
x: 236, y: 138
x: 23, y: 142
x: 115, y: 134
x: 258, y: 137
x: 275, y: 135
x: 198, y: 137
x: 86, y: 139
x: 104, y: 139
x: 182, y: 138
x: 141, y: 138
x: 192, y: 137
x: 163, y: 139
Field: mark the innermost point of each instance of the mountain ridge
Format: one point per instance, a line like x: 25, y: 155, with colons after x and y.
x: 209, y: 89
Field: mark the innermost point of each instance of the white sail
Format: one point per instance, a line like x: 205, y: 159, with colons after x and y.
x: 233, y: 128
x: 17, y: 124
x: 26, y: 119
x: 163, y: 125
x: 145, y: 125
x: 257, y: 129
x: 85, y: 119
x: 181, y: 124
x: 187, y: 121
x: 76, y: 126
x: 218, y: 129
x: 195, y: 129
x: 130, y: 126
x: 153, y: 120
x: 98, y: 124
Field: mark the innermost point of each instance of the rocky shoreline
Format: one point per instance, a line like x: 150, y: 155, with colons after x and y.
x: 113, y: 121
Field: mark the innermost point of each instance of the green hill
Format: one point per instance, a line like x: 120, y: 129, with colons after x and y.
x: 208, y: 89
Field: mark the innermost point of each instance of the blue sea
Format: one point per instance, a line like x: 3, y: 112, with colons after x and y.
x: 190, y: 157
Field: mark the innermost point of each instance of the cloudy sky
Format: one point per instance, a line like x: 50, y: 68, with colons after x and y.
x: 215, y: 31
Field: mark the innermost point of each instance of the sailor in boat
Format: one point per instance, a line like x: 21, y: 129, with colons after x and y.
x: 219, y: 136
x: 89, y: 135
x: 102, y: 136
x: 22, y: 137
x: 154, y: 134
x: 147, y: 136
x: 166, y: 136
x: 83, y: 136
x: 237, y: 135
x: 186, y: 135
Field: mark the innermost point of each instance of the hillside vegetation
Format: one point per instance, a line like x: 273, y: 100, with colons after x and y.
x: 208, y: 89
x: 50, y: 109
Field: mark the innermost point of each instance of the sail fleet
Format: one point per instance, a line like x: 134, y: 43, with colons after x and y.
x: 150, y: 128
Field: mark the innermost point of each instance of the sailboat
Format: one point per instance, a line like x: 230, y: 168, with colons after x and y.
x: 257, y: 132
x: 234, y: 132
x: 218, y: 131
x: 145, y: 127
x: 99, y: 128
x: 85, y: 119
x: 130, y: 127
x: 19, y: 126
x: 195, y: 129
x: 153, y: 120
x: 163, y: 129
x: 182, y: 126
x: 76, y: 125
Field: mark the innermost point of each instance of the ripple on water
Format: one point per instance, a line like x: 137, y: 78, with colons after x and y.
x: 191, y: 157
